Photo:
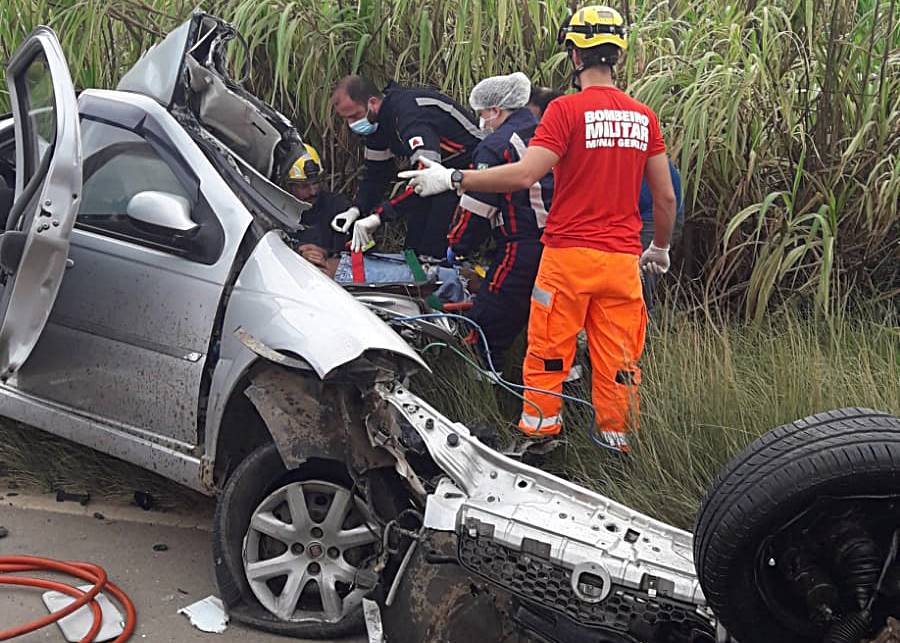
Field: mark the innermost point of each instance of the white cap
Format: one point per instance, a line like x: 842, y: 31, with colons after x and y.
x: 506, y: 92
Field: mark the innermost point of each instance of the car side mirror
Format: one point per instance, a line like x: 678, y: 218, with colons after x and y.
x: 163, y: 210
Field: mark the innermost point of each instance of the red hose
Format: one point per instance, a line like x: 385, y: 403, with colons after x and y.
x: 86, y: 572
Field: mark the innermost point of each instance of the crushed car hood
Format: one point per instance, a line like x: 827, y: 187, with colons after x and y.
x: 288, y: 305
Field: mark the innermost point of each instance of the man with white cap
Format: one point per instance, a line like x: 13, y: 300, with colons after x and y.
x: 515, y: 220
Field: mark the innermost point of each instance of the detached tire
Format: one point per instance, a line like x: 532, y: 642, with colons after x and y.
x: 846, y: 452
x: 252, y: 483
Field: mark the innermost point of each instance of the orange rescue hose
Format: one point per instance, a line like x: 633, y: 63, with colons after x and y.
x: 84, y: 571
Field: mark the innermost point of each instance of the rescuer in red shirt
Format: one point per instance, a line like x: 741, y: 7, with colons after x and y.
x: 600, y: 143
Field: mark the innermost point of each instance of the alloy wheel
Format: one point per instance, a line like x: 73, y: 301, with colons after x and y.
x: 304, y: 545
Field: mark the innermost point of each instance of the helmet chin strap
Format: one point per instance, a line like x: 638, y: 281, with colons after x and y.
x: 576, y: 72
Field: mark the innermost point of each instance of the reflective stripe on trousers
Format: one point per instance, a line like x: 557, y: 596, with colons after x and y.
x: 601, y: 292
x: 615, y: 439
x: 534, y: 425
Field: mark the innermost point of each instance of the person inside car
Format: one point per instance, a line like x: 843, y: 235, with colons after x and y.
x: 317, y: 242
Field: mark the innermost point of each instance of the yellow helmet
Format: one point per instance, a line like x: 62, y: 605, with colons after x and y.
x: 307, y: 166
x: 592, y: 26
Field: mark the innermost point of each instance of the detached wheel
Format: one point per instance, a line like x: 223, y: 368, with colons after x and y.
x: 792, y: 537
x: 288, y: 544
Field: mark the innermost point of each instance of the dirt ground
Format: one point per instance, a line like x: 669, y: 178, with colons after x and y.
x: 159, y: 582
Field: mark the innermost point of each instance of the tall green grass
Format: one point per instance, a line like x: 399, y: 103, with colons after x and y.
x: 783, y: 115
x: 707, y: 391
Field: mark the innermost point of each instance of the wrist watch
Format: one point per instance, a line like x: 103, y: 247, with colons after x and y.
x: 456, y: 178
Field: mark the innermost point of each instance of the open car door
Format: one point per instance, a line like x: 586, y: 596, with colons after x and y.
x: 39, y: 215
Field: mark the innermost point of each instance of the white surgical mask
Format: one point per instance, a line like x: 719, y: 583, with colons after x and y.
x: 483, y: 123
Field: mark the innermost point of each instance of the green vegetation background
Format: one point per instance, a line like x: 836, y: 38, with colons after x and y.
x: 783, y: 116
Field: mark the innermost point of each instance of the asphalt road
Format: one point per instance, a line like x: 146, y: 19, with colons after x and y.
x: 159, y: 582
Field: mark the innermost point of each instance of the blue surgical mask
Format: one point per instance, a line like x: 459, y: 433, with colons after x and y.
x: 363, y: 126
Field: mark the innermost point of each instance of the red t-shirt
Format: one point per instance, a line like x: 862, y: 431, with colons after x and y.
x: 603, y: 138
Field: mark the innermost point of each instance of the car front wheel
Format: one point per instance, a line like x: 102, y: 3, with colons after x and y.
x: 289, y: 547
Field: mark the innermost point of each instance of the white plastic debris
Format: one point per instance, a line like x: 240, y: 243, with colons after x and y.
x: 76, y: 625
x: 207, y: 615
x: 372, y: 614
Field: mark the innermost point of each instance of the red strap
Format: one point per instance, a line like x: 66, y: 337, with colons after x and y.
x: 400, y: 198
x: 458, y: 307
x: 359, y: 267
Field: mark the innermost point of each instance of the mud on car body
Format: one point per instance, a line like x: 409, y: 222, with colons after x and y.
x: 153, y: 310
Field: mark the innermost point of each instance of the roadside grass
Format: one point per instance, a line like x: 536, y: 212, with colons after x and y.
x: 32, y: 461
x: 708, y: 390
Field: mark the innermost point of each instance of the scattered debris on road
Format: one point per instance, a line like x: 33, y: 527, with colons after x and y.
x: 160, y: 547
x: 81, y: 498
x: 76, y: 625
x: 4, y: 532
x: 144, y: 500
x: 207, y: 615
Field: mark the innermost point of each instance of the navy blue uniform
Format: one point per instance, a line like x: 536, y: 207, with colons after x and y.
x: 515, y: 220
x: 415, y: 124
x: 317, y: 220
x: 645, y: 205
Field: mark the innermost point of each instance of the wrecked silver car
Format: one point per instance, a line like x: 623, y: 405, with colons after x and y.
x: 152, y: 309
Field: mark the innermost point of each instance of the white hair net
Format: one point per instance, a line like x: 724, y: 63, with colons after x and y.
x: 507, y: 92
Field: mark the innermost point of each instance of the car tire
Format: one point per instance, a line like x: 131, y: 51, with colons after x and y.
x: 846, y: 452
x: 259, y: 475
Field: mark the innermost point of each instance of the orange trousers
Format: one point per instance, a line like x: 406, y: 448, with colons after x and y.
x: 600, y: 292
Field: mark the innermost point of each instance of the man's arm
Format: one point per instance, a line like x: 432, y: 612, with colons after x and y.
x: 477, y: 211
x: 664, y: 204
x: 335, y: 241
x: 535, y: 163
x: 379, y: 169
x: 538, y: 159
x: 420, y: 139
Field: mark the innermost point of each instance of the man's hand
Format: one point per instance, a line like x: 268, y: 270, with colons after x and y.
x: 655, y: 260
x: 315, y: 255
x: 364, y: 233
x: 434, y: 179
x: 343, y: 220
x: 312, y: 253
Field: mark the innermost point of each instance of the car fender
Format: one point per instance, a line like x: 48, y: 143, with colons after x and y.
x: 284, y: 310
x: 290, y: 306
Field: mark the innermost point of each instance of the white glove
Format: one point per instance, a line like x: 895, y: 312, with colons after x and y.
x: 364, y: 232
x: 343, y: 220
x: 655, y: 260
x: 434, y: 179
